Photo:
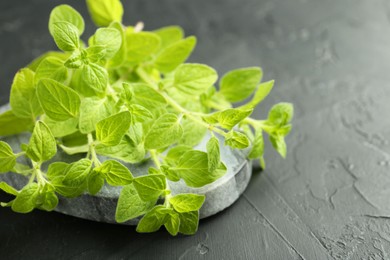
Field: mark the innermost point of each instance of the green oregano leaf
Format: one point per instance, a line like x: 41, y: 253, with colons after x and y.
x: 77, y: 173
x: 7, y: 157
x: 150, y: 187
x: 193, y: 169
x: 165, y: 131
x: 169, y: 35
x: 237, y: 140
x: 103, y: 12
x: 187, y: 202
x: 25, y: 201
x: 130, y: 205
x: 189, y: 222
x: 194, y: 79
x: 23, y: 99
x: 153, y: 220
x: 110, y: 38
x: 172, y: 223
x: 281, y: 114
x: 11, y: 124
x: 8, y: 189
x: 52, y: 68
x: 279, y: 144
x: 213, y: 154
x: 175, y: 54
x: 257, y: 146
x: 93, y: 110
x: 111, y: 130
x: 239, y: 84
x: 65, y: 13
x: 141, y: 45
x: 42, y: 146
x: 116, y: 173
x: 66, y: 36
x: 57, y: 100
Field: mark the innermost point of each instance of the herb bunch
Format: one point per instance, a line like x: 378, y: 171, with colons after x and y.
x: 128, y: 95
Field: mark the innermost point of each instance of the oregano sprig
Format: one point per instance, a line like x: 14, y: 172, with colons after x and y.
x: 127, y: 94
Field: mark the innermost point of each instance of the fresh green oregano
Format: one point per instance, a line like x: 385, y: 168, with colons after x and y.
x: 127, y: 94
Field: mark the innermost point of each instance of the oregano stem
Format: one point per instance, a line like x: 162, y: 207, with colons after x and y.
x: 92, y: 152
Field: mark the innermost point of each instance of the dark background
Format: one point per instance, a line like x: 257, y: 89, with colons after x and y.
x: 330, y: 199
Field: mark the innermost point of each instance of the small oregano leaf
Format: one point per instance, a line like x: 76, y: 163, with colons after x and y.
x: 7, y: 157
x: 111, y: 130
x: 57, y: 100
x: 150, y: 187
x: 213, y: 154
x: 103, y: 12
x: 130, y: 205
x: 42, y: 146
x: 66, y: 36
x: 187, y: 202
x: 25, y: 201
x: 65, y: 13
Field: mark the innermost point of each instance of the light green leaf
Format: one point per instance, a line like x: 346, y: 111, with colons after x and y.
x: 141, y: 45
x: 229, y: 118
x: 96, y: 53
x: 8, y: 189
x: 194, y: 79
x: 257, y: 146
x: 77, y: 173
x: 58, y: 54
x: 126, y: 151
x: 66, y: 36
x: 172, y: 224
x: 239, y: 84
x: 171, y: 175
x: 43, y: 145
x: 120, y: 55
x: 169, y: 35
x: 130, y: 205
x: 193, y: 169
x: 7, y: 157
x: 61, y: 128
x: 237, y: 140
x: 110, y: 38
x: 95, y: 182
x: 146, y: 96
x: 26, y: 199
x: 23, y: 99
x: 187, y: 202
x: 111, y: 130
x: 213, y: 154
x: 189, y: 222
x: 56, y: 169
x: 116, y: 173
x: 165, y: 131
x: 193, y: 132
x: 262, y: 92
x: 139, y: 113
x: 279, y: 144
x: 46, y: 199
x: 65, y: 13
x: 150, y: 187
x: 93, y: 80
x: 11, y: 125
x: 93, y: 110
x: 59, y: 102
x: 281, y: 114
x: 175, y: 54
x: 52, y: 68
x: 153, y: 220
x: 103, y: 12
x: 174, y: 154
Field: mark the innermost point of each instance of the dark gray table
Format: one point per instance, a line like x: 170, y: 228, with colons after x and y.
x: 330, y: 199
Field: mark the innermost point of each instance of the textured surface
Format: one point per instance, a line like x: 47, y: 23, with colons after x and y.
x: 328, y: 200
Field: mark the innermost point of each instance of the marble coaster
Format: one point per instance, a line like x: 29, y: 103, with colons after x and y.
x: 101, y: 207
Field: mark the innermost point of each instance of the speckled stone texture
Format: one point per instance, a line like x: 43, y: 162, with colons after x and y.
x: 101, y: 207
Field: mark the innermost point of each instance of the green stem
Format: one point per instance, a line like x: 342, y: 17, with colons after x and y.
x: 155, y: 158
x: 92, y: 152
